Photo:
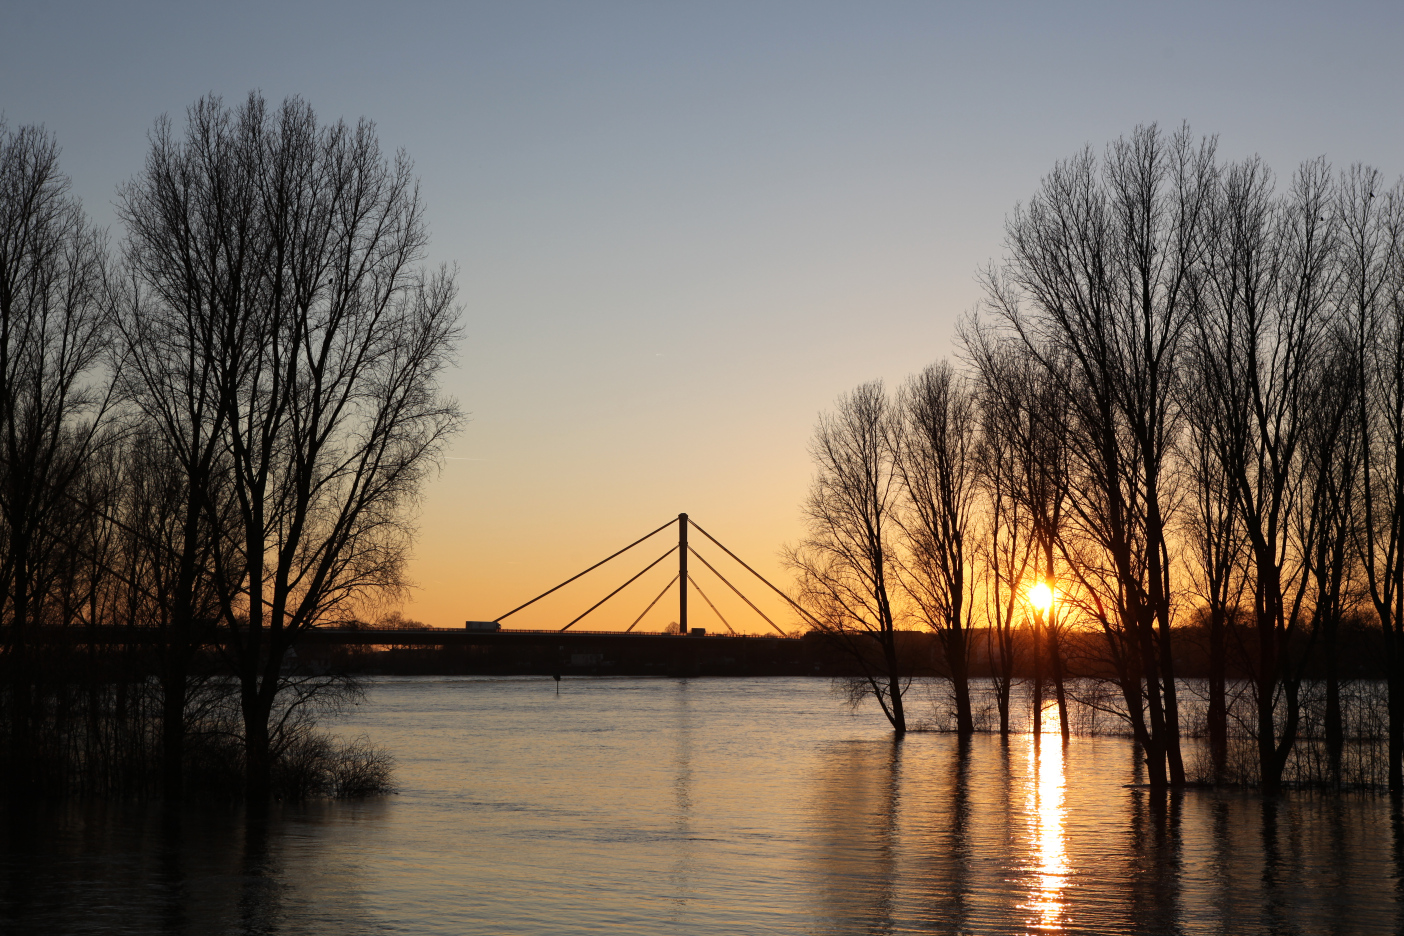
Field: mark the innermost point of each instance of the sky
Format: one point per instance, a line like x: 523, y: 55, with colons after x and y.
x: 682, y: 230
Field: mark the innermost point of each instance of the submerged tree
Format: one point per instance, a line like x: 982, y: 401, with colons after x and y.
x: 1373, y: 304
x: 1259, y: 335
x: 53, y: 328
x: 282, y: 254
x: 1214, y: 549
x: 935, y: 442
x: 1025, y: 410
x: 1326, y: 519
x: 1096, y: 285
x: 193, y: 254
x: 846, y: 564
x: 1007, y: 550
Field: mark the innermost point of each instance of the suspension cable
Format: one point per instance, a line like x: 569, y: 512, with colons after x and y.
x: 622, y: 587
x: 710, y: 605
x: 753, y: 572
x: 738, y: 592
x: 650, y: 605
x: 591, y: 569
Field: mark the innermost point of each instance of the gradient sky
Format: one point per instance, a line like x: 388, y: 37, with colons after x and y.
x: 683, y: 230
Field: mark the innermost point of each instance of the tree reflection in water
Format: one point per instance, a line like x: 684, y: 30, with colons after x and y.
x: 958, y: 844
x: 859, y: 801
x: 711, y: 808
x: 1397, y: 843
x: 171, y: 873
x: 260, y: 880
x: 1155, y: 872
x: 935, y: 834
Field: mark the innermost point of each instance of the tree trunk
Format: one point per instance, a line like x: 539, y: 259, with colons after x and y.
x: 1335, y: 728
x: 1218, y: 702
x: 1002, y: 700
x: 894, y: 685
x: 1172, y: 706
x: 24, y: 753
x: 1038, y: 676
x: 258, y: 761
x: 1396, y: 714
x: 173, y: 734
x: 1155, y: 731
x: 1055, y: 662
x: 1269, y: 776
x: 1129, y: 681
x: 957, y: 661
x: 1006, y: 683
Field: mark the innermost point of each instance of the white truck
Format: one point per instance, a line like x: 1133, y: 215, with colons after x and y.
x: 482, y: 625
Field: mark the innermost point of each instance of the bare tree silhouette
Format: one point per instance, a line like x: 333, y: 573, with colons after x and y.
x: 935, y: 440
x: 846, y: 564
x: 284, y: 253
x: 1096, y: 285
x: 53, y: 332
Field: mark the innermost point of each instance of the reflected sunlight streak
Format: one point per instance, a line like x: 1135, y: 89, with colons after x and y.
x: 1046, y: 820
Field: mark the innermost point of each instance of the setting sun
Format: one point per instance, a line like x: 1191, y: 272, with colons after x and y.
x: 549, y: 467
x: 1041, y: 597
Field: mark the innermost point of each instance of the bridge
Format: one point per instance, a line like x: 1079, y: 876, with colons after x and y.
x: 485, y: 646
x: 488, y: 647
x: 683, y: 579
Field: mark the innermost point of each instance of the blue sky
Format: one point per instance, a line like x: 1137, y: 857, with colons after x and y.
x: 683, y: 229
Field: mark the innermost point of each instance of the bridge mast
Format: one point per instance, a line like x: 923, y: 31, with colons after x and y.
x: 682, y: 574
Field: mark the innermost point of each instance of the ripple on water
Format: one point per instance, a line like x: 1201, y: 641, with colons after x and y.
x: 709, y: 807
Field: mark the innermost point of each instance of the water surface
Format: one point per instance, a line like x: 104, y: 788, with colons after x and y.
x: 713, y: 806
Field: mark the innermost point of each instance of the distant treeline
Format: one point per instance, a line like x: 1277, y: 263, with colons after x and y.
x: 1179, y: 410
x: 219, y: 422
x: 1359, y: 655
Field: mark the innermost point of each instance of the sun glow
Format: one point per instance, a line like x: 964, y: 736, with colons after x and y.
x: 1041, y: 596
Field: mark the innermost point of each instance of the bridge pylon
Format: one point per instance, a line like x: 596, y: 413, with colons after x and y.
x: 682, y: 574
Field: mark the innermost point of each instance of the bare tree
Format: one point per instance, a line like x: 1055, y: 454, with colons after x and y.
x: 1271, y: 279
x: 1214, y: 545
x: 1097, y: 284
x: 1327, y: 516
x: 846, y: 565
x: 935, y: 444
x: 1007, y: 550
x: 1372, y: 232
x: 53, y: 323
x: 194, y: 256
x: 322, y: 357
x: 1025, y: 409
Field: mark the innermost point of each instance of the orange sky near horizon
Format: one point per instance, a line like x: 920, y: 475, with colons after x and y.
x: 682, y: 231
x: 462, y: 576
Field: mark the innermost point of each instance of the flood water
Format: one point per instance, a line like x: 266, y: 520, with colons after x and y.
x: 710, y: 806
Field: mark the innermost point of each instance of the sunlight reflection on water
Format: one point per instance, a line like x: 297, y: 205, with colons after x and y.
x: 713, y: 807
x: 1044, y: 801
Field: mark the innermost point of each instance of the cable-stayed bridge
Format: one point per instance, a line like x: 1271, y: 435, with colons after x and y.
x: 488, y: 646
x: 684, y: 581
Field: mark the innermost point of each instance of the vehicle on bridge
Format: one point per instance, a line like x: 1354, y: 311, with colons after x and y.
x: 482, y: 625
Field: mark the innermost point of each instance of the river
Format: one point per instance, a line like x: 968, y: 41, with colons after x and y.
x: 709, y: 806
